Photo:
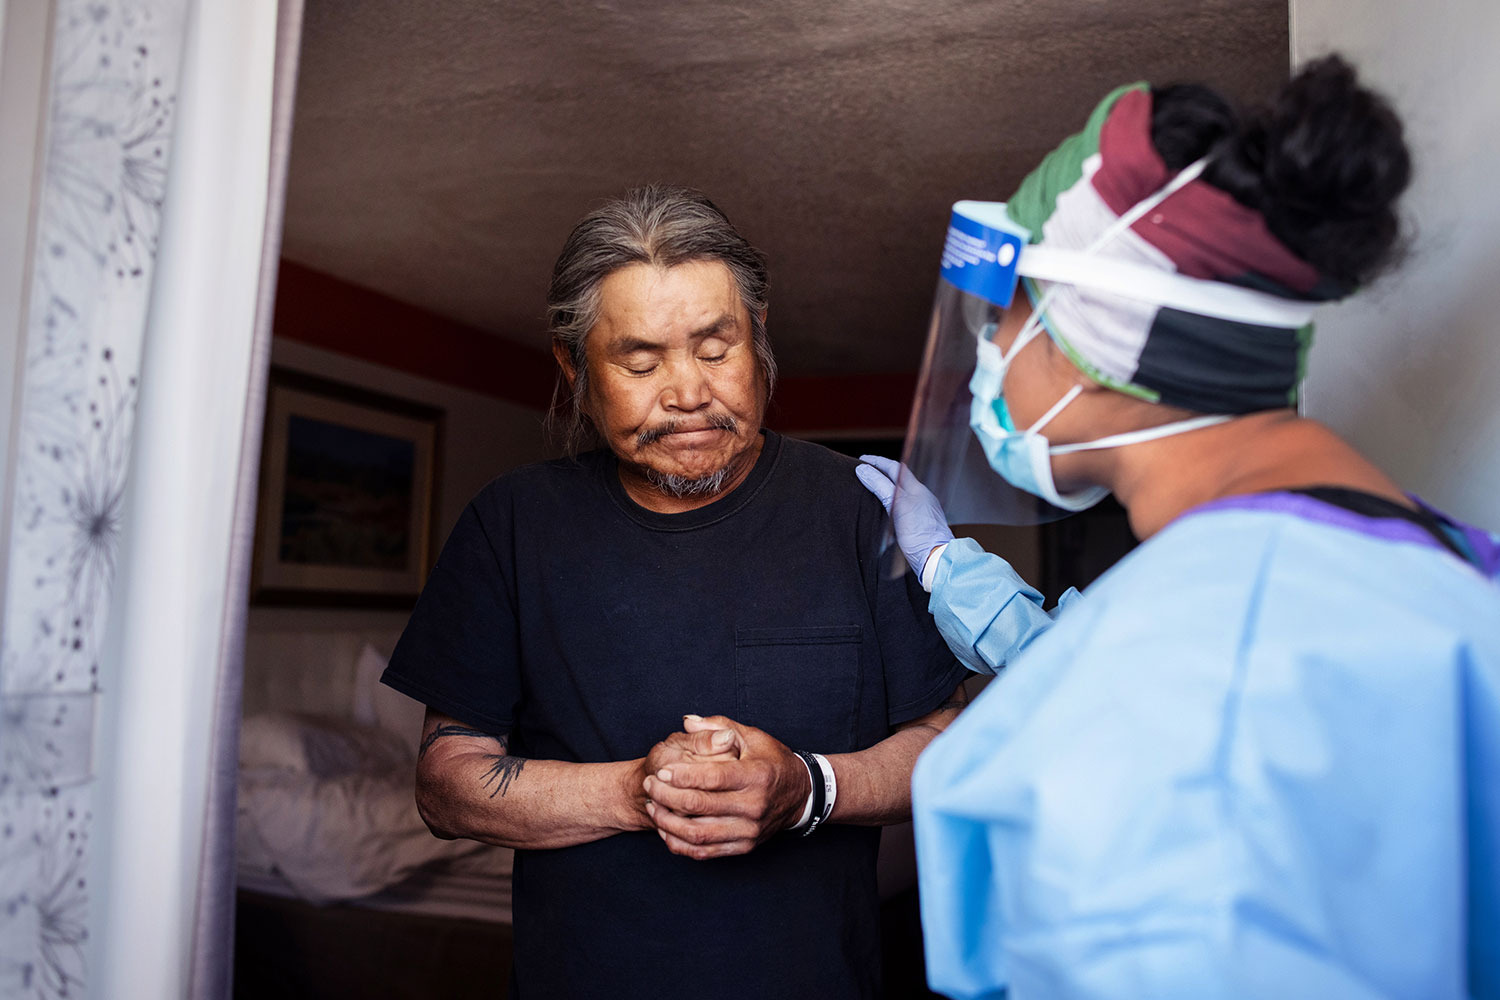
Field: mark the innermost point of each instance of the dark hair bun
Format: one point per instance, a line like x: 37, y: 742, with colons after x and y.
x: 1325, y: 164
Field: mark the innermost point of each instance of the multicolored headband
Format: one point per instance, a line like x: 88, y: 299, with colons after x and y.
x: 1173, y: 348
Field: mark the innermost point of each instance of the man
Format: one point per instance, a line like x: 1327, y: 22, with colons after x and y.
x: 585, y: 614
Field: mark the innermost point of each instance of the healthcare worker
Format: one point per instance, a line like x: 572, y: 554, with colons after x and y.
x: 1261, y: 756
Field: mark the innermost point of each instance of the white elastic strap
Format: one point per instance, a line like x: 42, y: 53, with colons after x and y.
x: 1132, y: 215
x: 1032, y: 329
x: 806, y: 809
x: 1142, y: 436
x: 830, y: 787
x: 929, y: 572
x: 1164, y: 288
x: 1057, y: 408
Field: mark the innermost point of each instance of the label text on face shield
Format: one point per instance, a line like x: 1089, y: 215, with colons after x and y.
x: 981, y: 260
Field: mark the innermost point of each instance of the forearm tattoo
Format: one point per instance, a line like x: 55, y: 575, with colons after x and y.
x: 503, y: 767
x: 503, y: 770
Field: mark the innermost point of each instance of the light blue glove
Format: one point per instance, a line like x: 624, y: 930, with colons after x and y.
x: 921, y: 525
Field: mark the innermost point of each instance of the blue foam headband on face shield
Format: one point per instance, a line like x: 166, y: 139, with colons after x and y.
x: 982, y: 251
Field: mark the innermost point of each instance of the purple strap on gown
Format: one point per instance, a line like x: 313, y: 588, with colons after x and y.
x: 1484, y: 546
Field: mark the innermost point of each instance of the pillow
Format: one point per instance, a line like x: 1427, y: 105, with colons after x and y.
x: 336, y: 747
x: 376, y: 704
x: 272, y: 739
x: 322, y: 746
x: 368, y: 666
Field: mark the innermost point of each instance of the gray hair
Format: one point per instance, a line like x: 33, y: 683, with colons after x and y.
x: 658, y: 225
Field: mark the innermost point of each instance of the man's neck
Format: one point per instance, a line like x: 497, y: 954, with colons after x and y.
x: 654, y: 498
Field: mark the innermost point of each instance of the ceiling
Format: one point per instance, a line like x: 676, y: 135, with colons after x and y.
x: 442, y: 150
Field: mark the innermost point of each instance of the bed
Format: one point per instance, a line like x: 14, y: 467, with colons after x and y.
x: 342, y: 889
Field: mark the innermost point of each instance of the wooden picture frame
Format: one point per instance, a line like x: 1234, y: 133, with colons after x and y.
x: 347, y: 495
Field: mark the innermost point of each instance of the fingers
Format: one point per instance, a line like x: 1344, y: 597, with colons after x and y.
x: 673, y: 747
x: 899, y: 476
x: 705, y: 746
x: 709, y: 744
x: 699, y: 723
x: 710, y: 809
x: 889, y: 466
x: 702, y: 852
x: 704, y: 740
x: 703, y: 831
x: 711, y: 776
x: 877, y: 483
x: 665, y: 754
x: 697, y: 802
x: 702, y: 838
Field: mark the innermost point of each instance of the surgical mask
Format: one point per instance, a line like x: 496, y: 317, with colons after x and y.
x: 1024, y: 457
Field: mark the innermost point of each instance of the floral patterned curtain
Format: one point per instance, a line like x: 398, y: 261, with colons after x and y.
x: 109, y: 131
x: 108, y: 144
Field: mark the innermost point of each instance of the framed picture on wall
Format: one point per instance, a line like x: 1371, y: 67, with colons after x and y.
x: 347, y: 489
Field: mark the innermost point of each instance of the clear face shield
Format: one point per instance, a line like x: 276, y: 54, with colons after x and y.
x: 976, y: 293
x: 960, y: 434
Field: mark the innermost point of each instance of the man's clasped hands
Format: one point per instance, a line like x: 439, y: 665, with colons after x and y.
x: 719, y: 788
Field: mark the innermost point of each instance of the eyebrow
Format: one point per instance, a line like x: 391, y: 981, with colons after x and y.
x: 630, y: 344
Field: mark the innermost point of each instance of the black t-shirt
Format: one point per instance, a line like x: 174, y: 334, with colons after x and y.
x: 585, y: 626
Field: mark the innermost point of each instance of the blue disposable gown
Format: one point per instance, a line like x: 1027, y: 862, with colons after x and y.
x: 986, y: 612
x: 1259, y: 758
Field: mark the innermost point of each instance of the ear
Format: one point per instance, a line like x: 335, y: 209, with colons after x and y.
x: 565, y: 362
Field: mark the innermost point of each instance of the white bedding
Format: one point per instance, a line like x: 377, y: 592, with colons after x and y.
x: 327, y: 805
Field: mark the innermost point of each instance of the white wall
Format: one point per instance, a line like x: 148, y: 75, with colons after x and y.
x: 482, y: 437
x: 1410, y: 370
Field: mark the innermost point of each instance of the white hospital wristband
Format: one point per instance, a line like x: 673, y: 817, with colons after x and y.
x: 929, y: 568
x: 830, y: 787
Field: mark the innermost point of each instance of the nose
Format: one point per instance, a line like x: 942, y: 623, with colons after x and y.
x: 687, y: 387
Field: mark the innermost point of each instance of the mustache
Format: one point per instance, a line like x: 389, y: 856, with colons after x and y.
x: 713, y: 422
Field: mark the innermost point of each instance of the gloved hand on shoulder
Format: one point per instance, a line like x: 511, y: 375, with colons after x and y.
x: 920, y: 523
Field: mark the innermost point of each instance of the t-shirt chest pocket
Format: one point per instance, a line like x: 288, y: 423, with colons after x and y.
x: 801, y: 685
